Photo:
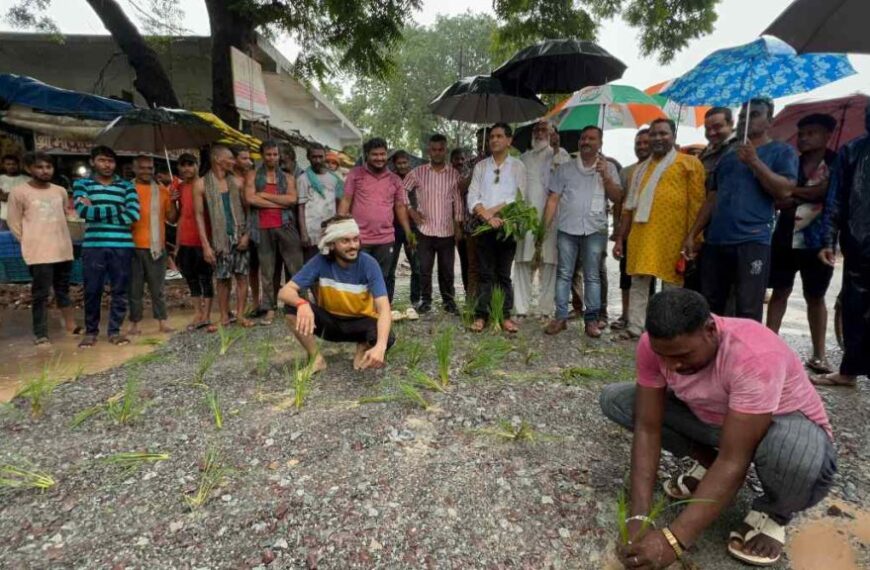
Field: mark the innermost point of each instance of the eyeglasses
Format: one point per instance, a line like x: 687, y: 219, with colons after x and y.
x: 497, y: 175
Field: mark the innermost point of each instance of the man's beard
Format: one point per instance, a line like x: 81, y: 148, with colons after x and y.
x: 540, y: 144
x: 344, y: 256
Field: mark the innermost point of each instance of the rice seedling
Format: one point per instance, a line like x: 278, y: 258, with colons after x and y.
x: 487, y: 353
x: 526, y: 352
x: 128, y: 406
x: 38, y: 389
x: 300, y: 381
x: 211, y: 476
x: 404, y: 393
x: 206, y: 361
x: 131, y: 461
x: 496, y: 309
x: 466, y: 312
x: 15, y: 477
x: 443, y: 350
x: 150, y: 341
x: 145, y: 359
x: 419, y: 379
x: 575, y: 373
x: 229, y: 336
x: 86, y: 414
x: 513, y: 432
x: 264, y: 353
x: 214, y: 405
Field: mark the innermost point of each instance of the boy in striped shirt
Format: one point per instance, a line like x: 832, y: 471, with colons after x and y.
x: 109, y: 205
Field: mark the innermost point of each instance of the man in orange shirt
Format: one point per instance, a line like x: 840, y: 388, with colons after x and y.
x: 149, y: 239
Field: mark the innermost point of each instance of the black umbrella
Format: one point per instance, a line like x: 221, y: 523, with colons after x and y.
x: 158, y: 130
x: 814, y: 26
x: 485, y: 99
x: 522, y: 139
x: 561, y: 66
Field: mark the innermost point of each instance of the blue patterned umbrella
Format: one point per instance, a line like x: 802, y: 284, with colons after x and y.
x: 767, y: 67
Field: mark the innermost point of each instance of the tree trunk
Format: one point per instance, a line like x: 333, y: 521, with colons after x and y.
x: 151, y: 79
x: 228, y: 29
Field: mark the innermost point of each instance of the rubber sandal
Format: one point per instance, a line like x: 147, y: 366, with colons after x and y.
x: 627, y: 335
x: 119, y: 340
x: 78, y: 330
x: 88, y: 341
x: 761, y: 523
x: 818, y: 365
x: 264, y: 322
x: 676, y: 488
x: 41, y: 341
x: 825, y: 380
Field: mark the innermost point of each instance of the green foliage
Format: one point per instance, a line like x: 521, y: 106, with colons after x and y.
x: 421, y: 380
x: 214, y: 405
x: 264, y: 353
x: 515, y: 432
x: 466, y: 311
x: 487, y: 353
x: 206, y: 361
x: 131, y: 461
x: 429, y: 59
x: 443, y: 351
x: 496, y: 309
x: 411, y: 350
x: 518, y: 218
x: 576, y: 374
x: 665, y: 26
x: 404, y: 392
x: 86, y: 414
x: 24, y: 476
x: 212, y: 474
x: 128, y: 406
x: 300, y: 381
x: 38, y: 390
x: 229, y: 336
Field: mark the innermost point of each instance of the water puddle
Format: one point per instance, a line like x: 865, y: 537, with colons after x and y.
x: 830, y: 542
x: 22, y: 360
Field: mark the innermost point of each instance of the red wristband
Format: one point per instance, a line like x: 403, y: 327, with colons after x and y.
x: 301, y: 302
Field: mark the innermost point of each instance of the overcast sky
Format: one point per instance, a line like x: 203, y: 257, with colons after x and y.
x: 740, y: 21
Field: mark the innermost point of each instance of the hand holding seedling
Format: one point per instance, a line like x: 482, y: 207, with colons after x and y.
x: 374, y: 357
x: 650, y: 552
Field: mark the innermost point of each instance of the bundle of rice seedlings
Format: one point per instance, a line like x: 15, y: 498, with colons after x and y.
x: 486, y: 354
x: 131, y: 461
x: 300, y: 381
x: 518, y: 218
x: 211, y: 476
x: 128, y: 406
x: 229, y: 336
x: 419, y: 379
x: 496, y: 309
x: 206, y: 361
x: 213, y: 402
x: 38, y: 389
x: 404, y: 393
x: 576, y: 373
x: 264, y: 353
x: 443, y: 350
x: 508, y: 431
x: 15, y: 477
x: 466, y: 312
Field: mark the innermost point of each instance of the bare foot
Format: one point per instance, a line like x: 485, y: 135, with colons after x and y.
x: 134, y: 330
x: 165, y: 328
x: 319, y: 364
x: 361, y: 349
x: 835, y: 379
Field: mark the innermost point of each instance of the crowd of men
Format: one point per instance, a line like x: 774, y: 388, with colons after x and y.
x: 714, y: 384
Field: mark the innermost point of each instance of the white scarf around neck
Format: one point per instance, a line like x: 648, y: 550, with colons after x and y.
x: 640, y: 199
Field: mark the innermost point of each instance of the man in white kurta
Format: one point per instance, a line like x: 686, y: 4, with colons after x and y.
x: 540, y: 161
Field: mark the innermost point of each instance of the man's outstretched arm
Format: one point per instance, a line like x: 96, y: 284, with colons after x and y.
x: 374, y: 357
x: 646, y: 447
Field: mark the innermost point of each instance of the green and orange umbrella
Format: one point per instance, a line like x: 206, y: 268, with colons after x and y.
x: 607, y: 106
x: 683, y: 115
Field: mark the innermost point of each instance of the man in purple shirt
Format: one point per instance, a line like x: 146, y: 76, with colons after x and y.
x: 375, y: 197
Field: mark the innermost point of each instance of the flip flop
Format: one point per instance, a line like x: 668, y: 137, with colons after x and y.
x: 264, y: 322
x: 119, y: 340
x: 88, y: 341
x: 676, y: 488
x: 41, y: 341
x: 825, y: 380
x: 818, y: 365
x: 761, y: 523
x: 509, y: 326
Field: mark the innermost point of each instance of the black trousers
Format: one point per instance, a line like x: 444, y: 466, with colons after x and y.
x: 333, y: 328
x: 495, y: 258
x: 428, y: 248
x: 855, y: 306
x: 48, y: 276
x: 383, y: 254
x: 198, y: 274
x: 462, y: 251
x: 745, y: 267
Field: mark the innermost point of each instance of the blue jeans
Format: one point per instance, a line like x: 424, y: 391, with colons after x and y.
x: 590, y: 248
x: 99, y: 265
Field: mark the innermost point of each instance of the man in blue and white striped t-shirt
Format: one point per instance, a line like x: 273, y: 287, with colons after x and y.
x: 109, y: 205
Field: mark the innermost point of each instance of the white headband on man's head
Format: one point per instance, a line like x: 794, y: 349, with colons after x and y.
x: 336, y: 231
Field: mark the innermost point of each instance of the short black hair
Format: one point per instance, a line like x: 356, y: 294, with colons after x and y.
x: 670, y: 122
x: 238, y: 149
x: 456, y: 151
x: 187, y: 158
x: 438, y: 138
x: 675, y: 312
x: 823, y: 120
x: 766, y: 101
x: 641, y: 132
x: 10, y: 157
x: 269, y: 144
x: 103, y: 150
x: 314, y: 146
x: 593, y: 128
x: 729, y: 115
x: 32, y: 157
x: 508, y: 131
x: 373, y: 143
x: 400, y: 154
x: 290, y: 153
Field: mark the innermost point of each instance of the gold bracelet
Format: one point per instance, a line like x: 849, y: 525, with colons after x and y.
x: 672, y: 540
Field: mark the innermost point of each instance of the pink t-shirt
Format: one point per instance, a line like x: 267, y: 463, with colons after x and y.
x: 755, y: 372
x: 374, y: 199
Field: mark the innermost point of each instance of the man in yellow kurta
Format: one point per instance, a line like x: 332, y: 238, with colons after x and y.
x: 666, y: 193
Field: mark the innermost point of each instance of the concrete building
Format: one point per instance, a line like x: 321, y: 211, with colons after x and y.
x: 95, y: 64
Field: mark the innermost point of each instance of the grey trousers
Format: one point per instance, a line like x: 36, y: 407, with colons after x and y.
x: 795, y: 460
x: 274, y: 243
x: 145, y: 269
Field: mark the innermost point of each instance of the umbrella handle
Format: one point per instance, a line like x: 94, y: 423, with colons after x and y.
x: 748, y: 118
x: 168, y: 164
